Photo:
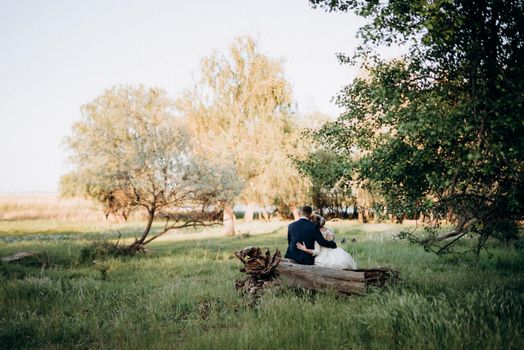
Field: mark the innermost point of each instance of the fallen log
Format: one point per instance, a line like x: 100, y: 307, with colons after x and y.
x: 18, y: 256
x: 342, y: 281
x: 264, y: 269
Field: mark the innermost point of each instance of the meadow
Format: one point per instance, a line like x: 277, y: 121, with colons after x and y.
x: 182, y: 295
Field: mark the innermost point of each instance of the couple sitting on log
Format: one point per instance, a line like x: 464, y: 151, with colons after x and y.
x: 311, y: 243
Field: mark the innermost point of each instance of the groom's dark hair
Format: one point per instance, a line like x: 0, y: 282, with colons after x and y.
x: 306, y: 210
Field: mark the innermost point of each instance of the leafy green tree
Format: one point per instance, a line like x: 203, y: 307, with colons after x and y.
x: 440, y: 128
x: 129, y: 152
x: 330, y: 181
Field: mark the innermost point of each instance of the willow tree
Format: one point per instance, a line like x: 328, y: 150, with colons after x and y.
x: 239, y: 111
x: 129, y: 152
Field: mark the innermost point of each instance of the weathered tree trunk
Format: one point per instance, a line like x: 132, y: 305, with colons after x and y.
x: 250, y: 211
x: 342, y: 281
x: 18, y: 256
x: 265, y: 270
x: 296, y: 213
x: 315, y: 277
x: 229, y: 221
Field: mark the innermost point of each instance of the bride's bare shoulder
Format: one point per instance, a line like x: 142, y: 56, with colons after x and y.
x: 328, y: 233
x: 327, y: 229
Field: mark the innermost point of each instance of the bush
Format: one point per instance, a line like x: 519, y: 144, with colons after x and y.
x: 100, y: 250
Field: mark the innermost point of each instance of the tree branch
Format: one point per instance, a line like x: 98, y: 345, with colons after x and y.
x: 186, y: 224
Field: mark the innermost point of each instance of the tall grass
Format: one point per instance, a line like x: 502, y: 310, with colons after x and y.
x: 47, y: 206
x: 183, y: 297
x: 50, y: 206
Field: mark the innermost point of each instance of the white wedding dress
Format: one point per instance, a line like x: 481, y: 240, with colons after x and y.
x: 336, y: 258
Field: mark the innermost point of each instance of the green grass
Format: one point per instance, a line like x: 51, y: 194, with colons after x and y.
x: 183, y: 297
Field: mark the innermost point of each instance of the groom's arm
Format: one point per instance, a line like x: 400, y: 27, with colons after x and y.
x: 322, y: 241
x: 288, y: 237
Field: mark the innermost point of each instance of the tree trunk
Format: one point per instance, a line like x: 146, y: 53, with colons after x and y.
x: 250, y: 210
x: 229, y: 221
x: 342, y: 281
x: 18, y: 256
x: 449, y: 217
x: 360, y: 216
x: 150, y: 218
x: 265, y: 213
x: 368, y: 216
x: 315, y: 277
x: 392, y: 218
x: 296, y: 213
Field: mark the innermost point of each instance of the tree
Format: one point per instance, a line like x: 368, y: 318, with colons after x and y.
x: 130, y: 153
x: 330, y: 178
x: 333, y: 182
x: 440, y: 127
x: 240, y: 111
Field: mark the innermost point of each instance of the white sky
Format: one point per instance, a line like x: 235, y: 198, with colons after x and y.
x: 57, y: 55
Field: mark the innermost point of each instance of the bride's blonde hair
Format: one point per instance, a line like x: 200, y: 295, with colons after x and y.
x: 319, y: 220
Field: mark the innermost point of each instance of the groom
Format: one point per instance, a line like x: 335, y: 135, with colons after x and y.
x: 304, y: 231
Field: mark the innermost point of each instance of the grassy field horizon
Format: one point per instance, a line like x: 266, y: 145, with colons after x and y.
x: 182, y: 295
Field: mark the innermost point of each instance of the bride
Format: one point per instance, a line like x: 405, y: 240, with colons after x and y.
x: 336, y: 258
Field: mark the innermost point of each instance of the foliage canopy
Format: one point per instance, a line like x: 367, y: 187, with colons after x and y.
x: 130, y: 152
x: 440, y: 128
x: 240, y: 110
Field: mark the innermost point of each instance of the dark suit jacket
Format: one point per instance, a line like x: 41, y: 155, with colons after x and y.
x: 305, y: 231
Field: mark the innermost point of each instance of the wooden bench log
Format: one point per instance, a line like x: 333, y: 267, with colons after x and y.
x: 315, y: 277
x: 342, y: 281
x: 265, y: 269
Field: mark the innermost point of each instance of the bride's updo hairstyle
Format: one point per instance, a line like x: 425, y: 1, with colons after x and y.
x: 319, y: 220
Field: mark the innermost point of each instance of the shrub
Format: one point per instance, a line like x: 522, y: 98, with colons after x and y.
x: 100, y: 250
